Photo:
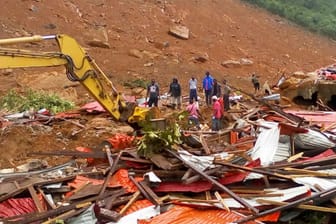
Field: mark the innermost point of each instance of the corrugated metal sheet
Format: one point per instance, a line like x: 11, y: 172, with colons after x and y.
x: 312, y: 140
x: 283, y: 150
x: 187, y: 215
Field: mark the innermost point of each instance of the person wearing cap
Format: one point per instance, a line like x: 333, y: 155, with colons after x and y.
x: 216, y: 114
x: 153, y: 93
x: 175, y: 93
x: 207, y: 87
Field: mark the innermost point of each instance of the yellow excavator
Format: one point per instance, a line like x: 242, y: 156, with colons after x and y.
x: 80, y: 67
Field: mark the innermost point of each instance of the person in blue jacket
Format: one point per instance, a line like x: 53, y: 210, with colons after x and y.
x: 207, y: 87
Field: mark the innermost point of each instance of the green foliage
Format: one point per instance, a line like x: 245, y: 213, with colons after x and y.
x: 154, y: 141
x: 136, y: 83
x: 14, y: 101
x: 316, y: 15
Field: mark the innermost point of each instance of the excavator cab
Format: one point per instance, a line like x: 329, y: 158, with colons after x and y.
x: 80, y: 67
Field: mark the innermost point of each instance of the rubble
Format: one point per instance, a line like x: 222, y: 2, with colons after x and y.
x: 267, y: 161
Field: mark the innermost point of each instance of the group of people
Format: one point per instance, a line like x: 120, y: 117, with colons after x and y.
x: 216, y: 95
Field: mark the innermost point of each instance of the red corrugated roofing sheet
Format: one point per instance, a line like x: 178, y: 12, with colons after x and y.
x: 14, y: 207
x: 139, y: 204
x: 120, y: 178
x: 187, y: 215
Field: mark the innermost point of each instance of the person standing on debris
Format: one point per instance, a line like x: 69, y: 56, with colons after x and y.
x: 255, y: 83
x: 226, y: 95
x: 207, y: 87
x: 193, y: 89
x: 153, y: 93
x: 216, y: 114
x: 194, y: 113
x: 216, y: 89
x: 266, y: 89
x: 175, y: 93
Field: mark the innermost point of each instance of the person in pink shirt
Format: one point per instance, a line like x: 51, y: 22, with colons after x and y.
x: 194, y: 114
x: 217, y: 114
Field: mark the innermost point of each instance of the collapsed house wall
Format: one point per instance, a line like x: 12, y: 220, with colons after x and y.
x: 307, y: 88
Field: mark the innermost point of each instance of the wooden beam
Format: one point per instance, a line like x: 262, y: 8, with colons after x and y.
x: 216, y: 183
x: 36, y: 200
x: 301, y: 206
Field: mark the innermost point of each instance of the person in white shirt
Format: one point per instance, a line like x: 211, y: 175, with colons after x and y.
x: 193, y: 89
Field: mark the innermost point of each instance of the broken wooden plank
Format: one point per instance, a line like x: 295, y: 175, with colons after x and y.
x: 206, y: 148
x: 327, y: 193
x: 50, y: 203
x: 301, y: 206
x: 161, y: 161
x: 108, y: 176
x: 273, y: 174
x: 135, y: 197
x: 216, y: 183
x: 220, y: 199
x: 36, y: 200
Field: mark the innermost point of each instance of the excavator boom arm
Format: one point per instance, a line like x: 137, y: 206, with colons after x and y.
x: 79, y: 65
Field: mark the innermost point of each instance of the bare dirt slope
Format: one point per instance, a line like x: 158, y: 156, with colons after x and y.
x: 220, y: 30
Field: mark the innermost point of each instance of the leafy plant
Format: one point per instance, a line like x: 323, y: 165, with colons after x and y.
x: 136, y: 83
x: 154, y: 141
x: 13, y: 101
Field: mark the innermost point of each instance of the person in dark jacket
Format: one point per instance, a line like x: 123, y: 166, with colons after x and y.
x: 226, y: 96
x: 216, y: 89
x: 153, y: 93
x: 175, y: 93
x: 256, y: 83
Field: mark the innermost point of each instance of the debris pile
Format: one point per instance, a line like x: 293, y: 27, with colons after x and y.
x: 268, y: 161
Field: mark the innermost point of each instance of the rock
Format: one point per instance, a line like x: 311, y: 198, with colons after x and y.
x: 245, y: 61
x: 98, y: 38
x: 231, y: 64
x: 150, y: 55
x: 149, y: 64
x: 33, y: 8
x: 98, y: 43
x: 201, y: 58
x: 135, y: 53
x: 50, y: 26
x: 160, y: 45
x: 7, y: 71
x: 179, y: 31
